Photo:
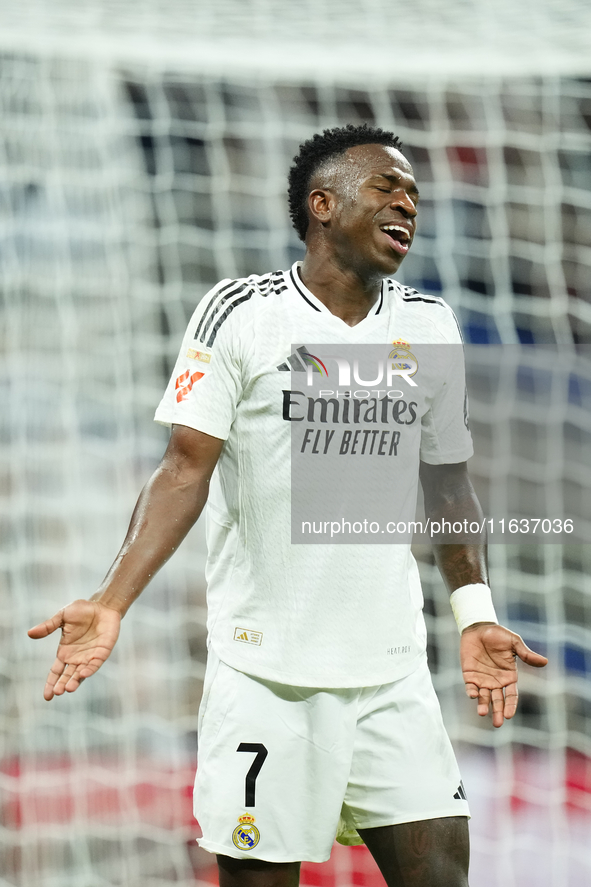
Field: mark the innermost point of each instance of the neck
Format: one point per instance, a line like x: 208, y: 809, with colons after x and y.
x: 344, y: 292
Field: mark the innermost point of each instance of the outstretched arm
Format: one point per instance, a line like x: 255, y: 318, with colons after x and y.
x: 167, y: 508
x: 488, y: 651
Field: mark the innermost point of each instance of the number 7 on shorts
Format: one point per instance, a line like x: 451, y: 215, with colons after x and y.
x: 251, y: 777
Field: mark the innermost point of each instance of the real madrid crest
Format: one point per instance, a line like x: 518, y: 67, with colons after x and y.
x: 246, y: 835
x: 403, y: 357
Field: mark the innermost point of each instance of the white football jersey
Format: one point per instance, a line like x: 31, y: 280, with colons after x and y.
x: 318, y: 615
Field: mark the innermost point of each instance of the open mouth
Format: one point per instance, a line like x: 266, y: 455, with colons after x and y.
x: 398, y: 237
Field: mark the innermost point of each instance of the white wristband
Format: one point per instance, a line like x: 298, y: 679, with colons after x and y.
x: 471, y: 604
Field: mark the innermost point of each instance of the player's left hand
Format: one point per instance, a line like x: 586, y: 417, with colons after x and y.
x: 488, y: 654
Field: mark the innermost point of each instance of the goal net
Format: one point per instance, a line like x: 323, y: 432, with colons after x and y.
x: 144, y: 155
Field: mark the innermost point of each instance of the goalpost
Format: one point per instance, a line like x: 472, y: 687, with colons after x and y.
x: 144, y: 155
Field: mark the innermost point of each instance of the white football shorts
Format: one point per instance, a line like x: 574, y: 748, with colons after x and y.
x: 282, y: 770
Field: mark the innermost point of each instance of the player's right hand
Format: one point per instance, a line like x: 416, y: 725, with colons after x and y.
x: 89, y: 633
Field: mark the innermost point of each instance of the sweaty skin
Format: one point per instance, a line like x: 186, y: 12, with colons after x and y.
x: 167, y: 508
x: 348, y: 253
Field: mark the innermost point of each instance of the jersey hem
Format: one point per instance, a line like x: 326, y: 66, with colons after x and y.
x: 296, y: 680
x: 231, y: 851
x: 447, y: 458
x: 416, y: 817
x: 168, y: 419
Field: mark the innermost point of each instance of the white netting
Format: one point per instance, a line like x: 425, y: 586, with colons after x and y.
x: 339, y: 39
x: 129, y: 187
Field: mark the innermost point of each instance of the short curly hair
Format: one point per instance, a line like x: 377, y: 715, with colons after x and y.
x: 320, y: 148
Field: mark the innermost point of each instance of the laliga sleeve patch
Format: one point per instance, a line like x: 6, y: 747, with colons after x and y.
x: 246, y: 835
x: 184, y: 384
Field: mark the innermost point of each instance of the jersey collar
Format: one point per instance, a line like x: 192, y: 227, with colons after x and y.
x: 316, y: 304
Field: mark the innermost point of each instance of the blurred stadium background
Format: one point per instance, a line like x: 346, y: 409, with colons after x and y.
x: 144, y: 152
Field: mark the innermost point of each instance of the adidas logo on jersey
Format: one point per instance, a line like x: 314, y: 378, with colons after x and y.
x: 246, y: 636
x: 299, y: 362
x: 460, y: 795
